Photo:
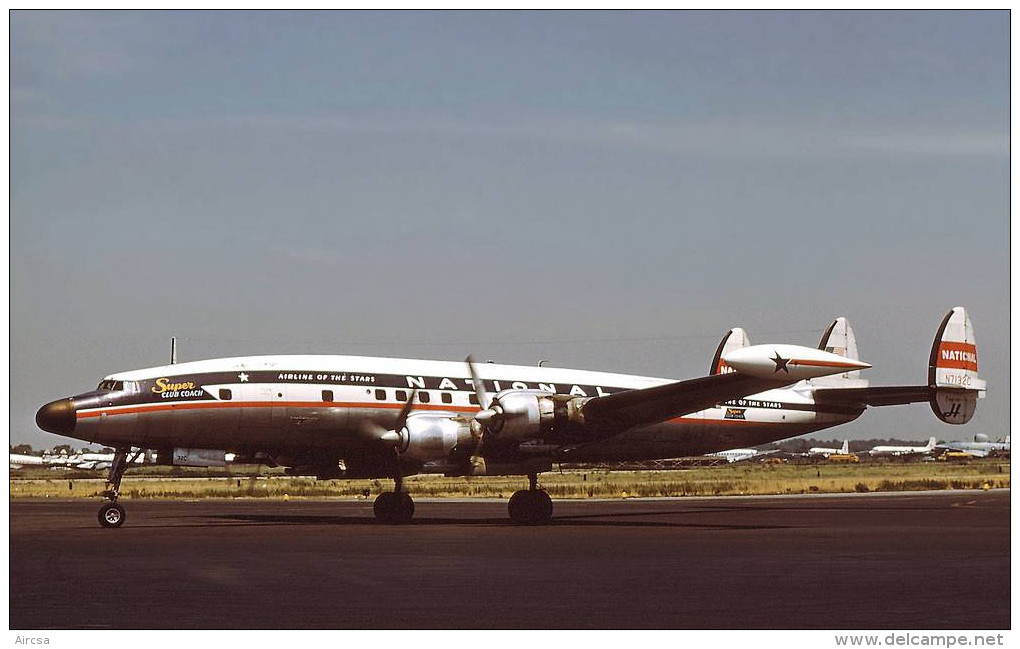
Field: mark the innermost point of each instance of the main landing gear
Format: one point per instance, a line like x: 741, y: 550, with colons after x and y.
x: 531, y: 506
x: 111, y: 514
x: 394, y: 507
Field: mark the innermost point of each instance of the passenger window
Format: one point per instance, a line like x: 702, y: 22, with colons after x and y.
x: 446, y: 397
x: 423, y: 397
x: 380, y: 395
x: 225, y: 394
x: 473, y: 398
x: 327, y: 395
x: 401, y: 395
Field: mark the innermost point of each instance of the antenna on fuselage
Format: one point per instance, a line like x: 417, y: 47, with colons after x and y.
x: 173, y: 350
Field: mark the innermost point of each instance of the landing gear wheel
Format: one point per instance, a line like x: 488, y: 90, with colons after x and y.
x: 393, y: 508
x: 530, y: 507
x: 542, y: 508
x: 111, y: 515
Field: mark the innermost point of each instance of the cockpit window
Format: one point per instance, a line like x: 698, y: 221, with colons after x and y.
x: 111, y: 385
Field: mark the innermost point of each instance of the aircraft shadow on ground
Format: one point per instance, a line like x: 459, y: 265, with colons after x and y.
x: 578, y: 520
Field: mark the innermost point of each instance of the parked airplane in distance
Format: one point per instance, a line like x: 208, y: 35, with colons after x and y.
x: 980, y: 447
x: 736, y: 454
x: 360, y: 417
x: 904, y: 450
x: 826, y: 452
x: 19, y: 460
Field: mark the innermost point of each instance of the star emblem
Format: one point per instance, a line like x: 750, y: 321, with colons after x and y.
x: 243, y: 377
x: 780, y: 363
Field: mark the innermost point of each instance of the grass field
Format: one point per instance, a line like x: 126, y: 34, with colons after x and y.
x: 735, y: 479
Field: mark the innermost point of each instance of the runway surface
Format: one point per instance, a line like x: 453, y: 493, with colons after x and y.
x: 911, y: 561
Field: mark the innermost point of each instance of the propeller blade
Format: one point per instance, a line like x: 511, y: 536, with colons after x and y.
x: 405, y: 411
x: 480, y: 393
x: 388, y: 436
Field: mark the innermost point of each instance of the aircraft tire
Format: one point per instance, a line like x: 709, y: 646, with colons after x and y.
x: 530, y: 507
x: 111, y: 515
x: 404, y: 510
x: 393, y: 508
x: 542, y: 508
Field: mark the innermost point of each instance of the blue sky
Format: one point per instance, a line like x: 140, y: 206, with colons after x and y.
x: 605, y: 190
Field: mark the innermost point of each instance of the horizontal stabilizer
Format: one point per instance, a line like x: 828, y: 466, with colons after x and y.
x: 892, y: 395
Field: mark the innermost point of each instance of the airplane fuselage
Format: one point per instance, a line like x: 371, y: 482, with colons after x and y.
x: 321, y: 405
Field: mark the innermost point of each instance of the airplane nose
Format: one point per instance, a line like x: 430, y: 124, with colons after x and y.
x: 57, y: 417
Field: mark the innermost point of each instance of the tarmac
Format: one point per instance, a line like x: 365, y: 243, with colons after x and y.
x: 922, y: 560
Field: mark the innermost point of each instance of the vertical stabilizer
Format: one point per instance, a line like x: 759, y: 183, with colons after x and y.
x: 953, y: 369
x: 735, y: 338
x: 839, y: 339
x: 845, y: 448
x: 931, y: 444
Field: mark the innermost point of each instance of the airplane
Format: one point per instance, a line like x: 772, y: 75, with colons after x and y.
x: 980, y: 447
x: 19, y: 460
x: 904, y: 450
x: 736, y: 454
x: 826, y: 452
x: 363, y: 417
x: 96, y: 461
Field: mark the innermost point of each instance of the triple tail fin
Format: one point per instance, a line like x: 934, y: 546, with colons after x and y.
x: 735, y: 338
x: 953, y: 385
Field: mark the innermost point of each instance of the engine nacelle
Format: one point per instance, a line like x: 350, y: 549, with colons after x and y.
x: 426, y: 438
x: 535, y: 414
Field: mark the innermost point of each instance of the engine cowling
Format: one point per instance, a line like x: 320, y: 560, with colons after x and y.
x: 426, y: 438
x: 532, y: 414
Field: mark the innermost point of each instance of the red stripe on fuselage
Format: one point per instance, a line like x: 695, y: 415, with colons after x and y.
x: 199, y: 405
x: 205, y: 405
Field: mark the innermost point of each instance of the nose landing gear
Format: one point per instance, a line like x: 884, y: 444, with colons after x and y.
x: 111, y: 514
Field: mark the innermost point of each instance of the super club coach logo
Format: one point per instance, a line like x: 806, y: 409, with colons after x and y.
x: 180, y: 389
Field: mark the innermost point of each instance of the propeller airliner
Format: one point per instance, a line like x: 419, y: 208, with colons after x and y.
x: 363, y: 417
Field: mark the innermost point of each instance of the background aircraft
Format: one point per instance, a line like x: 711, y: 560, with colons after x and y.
x: 980, y: 447
x: 826, y: 452
x: 737, y: 454
x: 904, y: 450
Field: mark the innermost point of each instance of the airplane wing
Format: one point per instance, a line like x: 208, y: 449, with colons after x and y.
x: 623, y: 410
x: 893, y: 395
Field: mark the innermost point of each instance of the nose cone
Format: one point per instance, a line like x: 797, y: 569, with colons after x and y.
x: 57, y: 417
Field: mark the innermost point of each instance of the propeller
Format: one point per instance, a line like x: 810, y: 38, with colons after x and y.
x: 488, y: 418
x: 393, y: 437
